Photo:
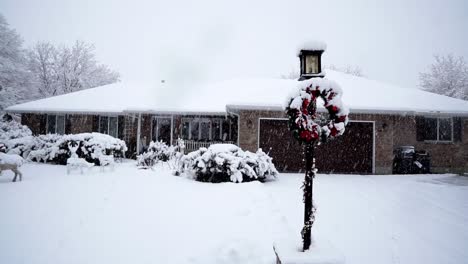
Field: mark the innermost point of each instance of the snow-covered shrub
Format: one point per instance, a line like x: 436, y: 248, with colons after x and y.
x: 10, y: 129
x: 15, y: 137
x: 227, y: 162
x: 3, y: 148
x: 91, y: 146
x: 44, y: 148
x: 157, y: 152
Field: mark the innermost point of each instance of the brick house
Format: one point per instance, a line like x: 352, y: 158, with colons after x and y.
x: 250, y: 113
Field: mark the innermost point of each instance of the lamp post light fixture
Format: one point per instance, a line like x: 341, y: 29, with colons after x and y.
x: 311, y: 63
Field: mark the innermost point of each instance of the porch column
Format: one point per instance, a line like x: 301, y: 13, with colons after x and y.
x: 138, y: 134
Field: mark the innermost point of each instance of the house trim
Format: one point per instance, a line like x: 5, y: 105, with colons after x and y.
x: 411, y: 112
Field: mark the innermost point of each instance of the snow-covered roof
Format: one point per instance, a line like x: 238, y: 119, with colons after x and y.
x: 312, y: 45
x: 361, y: 95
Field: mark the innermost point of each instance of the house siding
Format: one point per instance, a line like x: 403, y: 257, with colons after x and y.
x: 391, y: 131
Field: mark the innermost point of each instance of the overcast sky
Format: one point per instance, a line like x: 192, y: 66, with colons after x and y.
x: 147, y: 41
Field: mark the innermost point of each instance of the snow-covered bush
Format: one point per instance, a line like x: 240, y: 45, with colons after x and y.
x: 16, y: 138
x: 44, y: 148
x: 227, y: 162
x: 157, y: 152
x: 10, y: 129
x: 91, y: 146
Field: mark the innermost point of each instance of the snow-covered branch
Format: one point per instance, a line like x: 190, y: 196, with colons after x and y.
x: 448, y: 75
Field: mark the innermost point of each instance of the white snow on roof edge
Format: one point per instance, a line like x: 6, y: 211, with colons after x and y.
x: 361, y: 95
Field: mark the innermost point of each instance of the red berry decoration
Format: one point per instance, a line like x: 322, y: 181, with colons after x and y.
x: 301, y: 110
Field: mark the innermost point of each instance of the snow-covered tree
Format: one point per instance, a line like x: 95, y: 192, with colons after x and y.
x: 63, y: 69
x: 448, y: 75
x: 14, y: 77
x: 41, y: 62
x: 46, y: 70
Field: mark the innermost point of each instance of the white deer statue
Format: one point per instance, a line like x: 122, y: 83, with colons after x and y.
x: 74, y: 162
x: 11, y: 162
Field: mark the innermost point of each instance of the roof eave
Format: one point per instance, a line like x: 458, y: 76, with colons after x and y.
x: 236, y: 108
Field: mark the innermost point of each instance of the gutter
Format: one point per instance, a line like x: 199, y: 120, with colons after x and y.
x: 410, y: 112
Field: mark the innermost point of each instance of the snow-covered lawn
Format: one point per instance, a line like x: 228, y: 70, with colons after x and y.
x: 145, y: 216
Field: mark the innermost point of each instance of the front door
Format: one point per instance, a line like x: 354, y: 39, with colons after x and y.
x: 162, y: 129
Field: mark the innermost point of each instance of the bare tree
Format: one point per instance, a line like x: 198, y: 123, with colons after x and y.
x: 42, y: 57
x: 63, y: 69
x: 448, y: 75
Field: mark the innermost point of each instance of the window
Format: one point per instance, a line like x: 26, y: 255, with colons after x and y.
x: 216, y: 130
x: 56, y: 124
x: 205, y: 132
x: 431, y: 128
x: 113, y: 126
x: 162, y: 129
x: 206, y: 129
x: 109, y: 125
x: 445, y: 129
x: 185, y: 131
x: 435, y: 129
x: 226, y: 130
x: 194, y: 128
x: 104, y: 124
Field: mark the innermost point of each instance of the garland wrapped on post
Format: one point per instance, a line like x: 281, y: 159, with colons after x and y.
x: 301, y: 108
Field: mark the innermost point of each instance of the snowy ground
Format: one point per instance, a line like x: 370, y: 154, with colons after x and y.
x: 144, y: 216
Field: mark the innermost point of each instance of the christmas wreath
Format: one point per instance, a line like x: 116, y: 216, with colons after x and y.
x: 301, y: 109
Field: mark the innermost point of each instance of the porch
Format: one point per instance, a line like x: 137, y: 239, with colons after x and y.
x: 196, y: 130
x: 191, y: 145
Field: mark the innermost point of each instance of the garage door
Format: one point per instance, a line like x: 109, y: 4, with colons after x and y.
x: 350, y: 153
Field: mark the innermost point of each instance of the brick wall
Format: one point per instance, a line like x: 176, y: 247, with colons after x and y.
x: 391, y: 131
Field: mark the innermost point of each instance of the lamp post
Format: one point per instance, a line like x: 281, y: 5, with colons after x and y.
x: 311, y: 67
x: 301, y: 112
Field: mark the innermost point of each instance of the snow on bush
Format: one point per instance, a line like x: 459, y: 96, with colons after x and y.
x: 12, y: 129
x: 91, y: 146
x: 157, y: 152
x: 17, y: 139
x: 227, y: 162
x: 15, y: 136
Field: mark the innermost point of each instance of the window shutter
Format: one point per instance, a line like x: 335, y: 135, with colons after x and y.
x: 457, y: 129
x: 420, y: 128
x: 121, y: 125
